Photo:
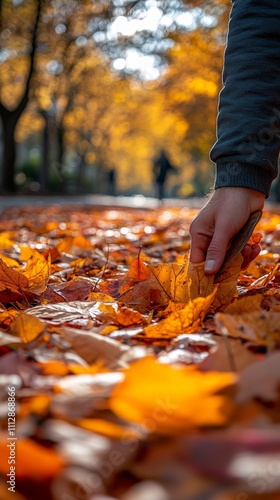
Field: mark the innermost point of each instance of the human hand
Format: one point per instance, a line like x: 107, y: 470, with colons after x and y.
x: 226, y: 212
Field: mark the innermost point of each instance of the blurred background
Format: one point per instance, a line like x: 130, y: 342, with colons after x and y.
x: 93, y: 94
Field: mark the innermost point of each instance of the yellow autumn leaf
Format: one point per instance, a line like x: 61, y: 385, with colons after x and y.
x: 182, y: 318
x: 9, y: 261
x: 100, y: 297
x: 38, y: 272
x: 68, y: 242
x: 244, y: 304
x: 199, y: 283
x: 27, y: 327
x: 172, y: 279
x: 167, y: 399
x: 26, y: 252
x: 5, y: 240
x: 262, y: 327
x: 227, y: 282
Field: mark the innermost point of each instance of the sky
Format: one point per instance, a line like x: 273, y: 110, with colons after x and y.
x: 152, y: 20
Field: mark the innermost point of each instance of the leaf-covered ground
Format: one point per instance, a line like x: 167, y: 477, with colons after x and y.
x: 135, y: 376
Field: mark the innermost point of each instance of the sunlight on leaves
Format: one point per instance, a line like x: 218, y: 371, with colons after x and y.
x: 38, y: 272
x: 182, y: 318
x: 165, y: 399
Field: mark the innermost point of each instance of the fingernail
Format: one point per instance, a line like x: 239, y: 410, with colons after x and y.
x: 210, y: 265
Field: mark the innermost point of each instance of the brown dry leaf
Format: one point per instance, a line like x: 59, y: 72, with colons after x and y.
x: 75, y: 312
x: 183, y: 319
x: 165, y: 399
x: 27, y: 327
x: 76, y: 289
x: 37, y: 271
x: 264, y: 280
x: 227, y: 355
x: 93, y: 347
x: 260, y: 380
x: 262, y: 327
x: 11, y: 279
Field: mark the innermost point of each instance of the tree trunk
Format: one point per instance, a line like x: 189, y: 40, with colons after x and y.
x: 81, y: 175
x: 45, y: 166
x: 9, y: 152
x: 60, y: 156
x: 10, y: 118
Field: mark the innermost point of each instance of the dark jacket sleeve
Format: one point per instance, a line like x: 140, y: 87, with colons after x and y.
x: 248, y: 129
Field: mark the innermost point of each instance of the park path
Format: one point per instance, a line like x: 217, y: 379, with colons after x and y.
x: 136, y: 201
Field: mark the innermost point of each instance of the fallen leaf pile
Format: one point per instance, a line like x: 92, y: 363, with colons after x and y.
x: 125, y: 372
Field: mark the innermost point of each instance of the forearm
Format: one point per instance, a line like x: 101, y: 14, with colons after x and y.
x: 247, y: 148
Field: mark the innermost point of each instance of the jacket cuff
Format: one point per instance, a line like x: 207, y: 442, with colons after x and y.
x: 235, y: 174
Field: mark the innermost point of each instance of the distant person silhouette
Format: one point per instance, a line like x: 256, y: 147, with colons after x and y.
x: 111, y: 178
x: 161, y: 169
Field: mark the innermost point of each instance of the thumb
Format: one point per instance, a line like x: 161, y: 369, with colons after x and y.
x: 216, y: 252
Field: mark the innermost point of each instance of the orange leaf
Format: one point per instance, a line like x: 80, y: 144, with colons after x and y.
x: 27, y: 327
x: 67, y: 244
x: 254, y: 239
x: 168, y: 400
x: 37, y: 405
x: 138, y: 271
x: 33, y: 461
x: 54, y: 367
x: 106, y: 428
x: 38, y: 272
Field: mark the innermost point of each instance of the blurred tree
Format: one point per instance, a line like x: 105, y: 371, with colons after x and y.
x: 92, y: 104
x: 18, y: 42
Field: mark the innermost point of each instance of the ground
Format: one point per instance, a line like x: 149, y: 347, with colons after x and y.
x: 126, y: 373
